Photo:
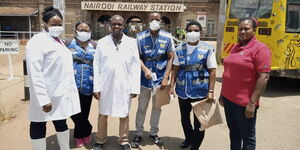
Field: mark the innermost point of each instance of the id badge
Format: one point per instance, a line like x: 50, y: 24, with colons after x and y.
x: 153, y: 76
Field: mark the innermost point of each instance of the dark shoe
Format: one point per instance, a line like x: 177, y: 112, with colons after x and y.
x: 98, y: 146
x: 125, y: 147
x: 136, y: 141
x: 185, y: 144
x: 156, y: 140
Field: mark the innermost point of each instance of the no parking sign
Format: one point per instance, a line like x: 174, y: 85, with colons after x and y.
x: 9, y: 47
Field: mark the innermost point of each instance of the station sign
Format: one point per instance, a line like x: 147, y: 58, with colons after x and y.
x: 144, y: 7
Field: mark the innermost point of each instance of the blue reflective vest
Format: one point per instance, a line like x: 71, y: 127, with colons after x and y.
x: 154, y: 54
x: 83, y: 66
x: 193, y: 76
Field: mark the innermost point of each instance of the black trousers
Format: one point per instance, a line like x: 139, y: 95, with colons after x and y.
x: 83, y: 127
x: 242, y: 129
x: 192, y: 135
x: 38, y: 129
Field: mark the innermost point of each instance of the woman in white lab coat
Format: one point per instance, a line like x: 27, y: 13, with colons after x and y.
x: 53, y: 91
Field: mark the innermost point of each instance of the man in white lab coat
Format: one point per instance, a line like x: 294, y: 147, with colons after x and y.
x: 116, y: 80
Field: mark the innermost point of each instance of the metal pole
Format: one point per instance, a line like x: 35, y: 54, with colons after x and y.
x: 11, y: 72
x: 29, y: 26
x: 221, y: 22
x: 26, y: 82
x: 60, y: 4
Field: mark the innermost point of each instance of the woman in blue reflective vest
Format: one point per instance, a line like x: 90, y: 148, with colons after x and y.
x: 194, y: 72
x: 83, y: 50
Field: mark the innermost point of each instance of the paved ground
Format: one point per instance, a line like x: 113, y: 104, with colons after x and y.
x: 277, y: 123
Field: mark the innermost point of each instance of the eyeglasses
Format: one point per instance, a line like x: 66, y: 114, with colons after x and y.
x: 117, y: 24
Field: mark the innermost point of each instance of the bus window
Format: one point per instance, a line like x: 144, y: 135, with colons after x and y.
x: 251, y: 8
x: 293, y: 16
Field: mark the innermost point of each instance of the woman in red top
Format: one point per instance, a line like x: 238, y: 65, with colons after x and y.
x: 246, y: 72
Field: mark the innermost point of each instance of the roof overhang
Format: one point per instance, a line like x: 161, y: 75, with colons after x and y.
x: 18, y: 11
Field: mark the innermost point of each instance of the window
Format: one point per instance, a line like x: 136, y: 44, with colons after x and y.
x: 211, y: 27
x: 293, y: 16
x: 251, y: 8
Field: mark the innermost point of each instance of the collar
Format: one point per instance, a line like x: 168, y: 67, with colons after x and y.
x: 250, y: 44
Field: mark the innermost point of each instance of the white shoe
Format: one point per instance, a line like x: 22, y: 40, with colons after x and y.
x: 63, y: 140
x: 38, y: 144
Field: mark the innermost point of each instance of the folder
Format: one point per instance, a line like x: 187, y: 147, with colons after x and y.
x: 162, y: 96
x: 208, y: 114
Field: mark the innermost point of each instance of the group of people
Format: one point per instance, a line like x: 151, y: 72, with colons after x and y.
x: 65, y: 75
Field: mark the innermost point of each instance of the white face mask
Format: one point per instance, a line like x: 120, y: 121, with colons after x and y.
x: 55, y: 31
x: 154, y: 25
x: 193, y: 36
x: 83, y: 36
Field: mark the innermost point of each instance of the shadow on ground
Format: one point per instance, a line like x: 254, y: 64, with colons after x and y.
x: 279, y: 87
x: 170, y: 143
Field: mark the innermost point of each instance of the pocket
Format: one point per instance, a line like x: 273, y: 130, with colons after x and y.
x: 56, y: 89
x: 161, y: 65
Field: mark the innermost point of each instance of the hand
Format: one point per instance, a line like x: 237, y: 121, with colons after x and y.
x: 249, y: 112
x: 148, y: 74
x: 47, y: 107
x: 210, y: 97
x: 133, y: 95
x: 221, y: 102
x: 171, y: 91
x: 164, y: 83
x: 97, y: 95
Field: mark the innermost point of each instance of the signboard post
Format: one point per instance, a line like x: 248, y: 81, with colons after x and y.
x: 9, y: 47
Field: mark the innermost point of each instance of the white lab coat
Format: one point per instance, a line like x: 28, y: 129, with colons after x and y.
x: 51, y: 79
x: 116, y: 75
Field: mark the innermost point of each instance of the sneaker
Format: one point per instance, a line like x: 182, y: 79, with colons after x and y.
x: 79, y: 142
x: 156, y: 140
x: 87, y: 140
x: 136, y: 141
x: 98, y: 146
x: 125, y: 146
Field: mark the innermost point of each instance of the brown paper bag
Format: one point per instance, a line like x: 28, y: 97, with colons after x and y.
x: 162, y: 96
x: 208, y: 114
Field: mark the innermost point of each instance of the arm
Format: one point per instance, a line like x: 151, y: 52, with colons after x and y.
x: 145, y: 69
x: 173, y: 79
x: 135, y: 73
x: 260, y: 87
x: 35, y: 62
x: 212, y: 80
x: 168, y: 69
x: 170, y: 54
x: 211, y: 65
x: 96, y: 65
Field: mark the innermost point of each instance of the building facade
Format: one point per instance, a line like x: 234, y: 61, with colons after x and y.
x: 175, y: 13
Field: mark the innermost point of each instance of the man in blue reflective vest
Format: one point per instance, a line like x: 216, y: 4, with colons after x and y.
x: 156, y: 50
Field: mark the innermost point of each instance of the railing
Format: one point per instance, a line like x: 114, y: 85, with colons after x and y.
x: 17, y: 34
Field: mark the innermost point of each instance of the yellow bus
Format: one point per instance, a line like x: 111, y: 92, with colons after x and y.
x: 279, y: 28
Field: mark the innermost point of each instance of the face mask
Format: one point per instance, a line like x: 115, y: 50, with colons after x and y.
x: 193, y: 36
x: 83, y: 36
x: 154, y: 25
x: 55, y: 31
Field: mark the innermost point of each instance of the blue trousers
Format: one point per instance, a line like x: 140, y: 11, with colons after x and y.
x: 242, y: 129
